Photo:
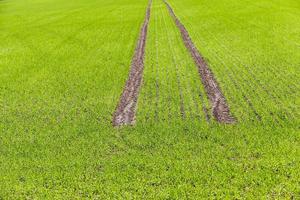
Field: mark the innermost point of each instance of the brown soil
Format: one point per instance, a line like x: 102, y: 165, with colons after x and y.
x: 220, y: 108
x: 126, y: 109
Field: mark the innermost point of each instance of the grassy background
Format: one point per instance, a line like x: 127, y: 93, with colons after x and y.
x: 63, y: 66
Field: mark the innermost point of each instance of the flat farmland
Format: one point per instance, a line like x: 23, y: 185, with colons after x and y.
x: 130, y: 99
x: 260, y: 81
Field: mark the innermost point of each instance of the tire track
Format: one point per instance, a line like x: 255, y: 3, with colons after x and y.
x: 126, y: 109
x: 229, y: 72
x: 220, y: 108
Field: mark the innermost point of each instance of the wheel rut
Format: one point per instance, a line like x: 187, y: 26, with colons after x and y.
x: 220, y: 108
x: 126, y: 108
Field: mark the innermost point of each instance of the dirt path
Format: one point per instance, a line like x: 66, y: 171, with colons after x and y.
x: 126, y: 109
x: 220, y: 109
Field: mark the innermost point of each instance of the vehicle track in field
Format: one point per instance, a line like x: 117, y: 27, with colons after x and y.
x: 126, y: 109
x: 220, y: 108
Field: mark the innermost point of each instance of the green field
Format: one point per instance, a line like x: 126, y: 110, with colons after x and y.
x: 63, y: 66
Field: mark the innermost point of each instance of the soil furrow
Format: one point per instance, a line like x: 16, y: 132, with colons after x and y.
x: 220, y: 108
x: 126, y: 109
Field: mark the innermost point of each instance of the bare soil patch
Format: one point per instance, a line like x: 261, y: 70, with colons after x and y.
x: 220, y: 108
x: 126, y: 109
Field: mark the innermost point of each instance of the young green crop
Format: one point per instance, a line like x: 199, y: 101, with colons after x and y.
x: 172, y: 88
x: 63, y: 66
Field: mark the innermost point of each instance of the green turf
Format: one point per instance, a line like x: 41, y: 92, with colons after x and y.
x: 63, y: 65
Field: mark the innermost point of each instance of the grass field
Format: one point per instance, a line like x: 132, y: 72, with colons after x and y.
x: 63, y: 66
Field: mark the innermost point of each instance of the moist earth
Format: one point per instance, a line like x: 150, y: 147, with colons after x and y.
x: 126, y: 109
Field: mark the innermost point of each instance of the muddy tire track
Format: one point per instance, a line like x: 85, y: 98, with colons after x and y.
x: 126, y: 109
x: 220, y: 108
